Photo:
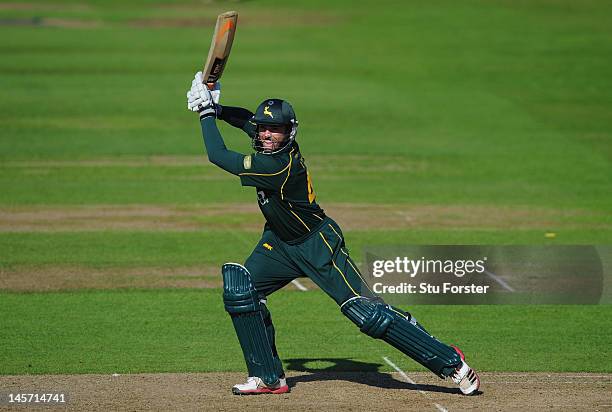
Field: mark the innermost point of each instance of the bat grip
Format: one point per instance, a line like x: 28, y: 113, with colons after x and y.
x: 210, y: 85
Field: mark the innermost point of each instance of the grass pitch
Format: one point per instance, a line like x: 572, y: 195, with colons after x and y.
x: 135, y: 331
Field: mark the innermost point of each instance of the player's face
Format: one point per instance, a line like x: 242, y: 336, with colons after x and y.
x: 271, y: 136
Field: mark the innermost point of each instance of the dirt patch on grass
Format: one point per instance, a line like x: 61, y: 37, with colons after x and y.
x: 71, y: 23
x: 114, y: 161
x: 267, y: 18
x: 333, y: 165
x: 56, y: 278
x: 53, y: 278
x: 370, y: 217
x: 160, y: 23
x: 246, y: 217
x: 52, y: 22
x: 46, y: 6
x: 322, y: 163
x: 242, y: 217
x: 324, y: 391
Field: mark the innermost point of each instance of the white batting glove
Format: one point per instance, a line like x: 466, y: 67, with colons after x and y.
x: 216, y: 92
x: 200, y: 99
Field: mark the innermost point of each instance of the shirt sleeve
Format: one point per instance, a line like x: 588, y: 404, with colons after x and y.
x: 235, y: 116
x: 239, y: 118
x: 250, y: 128
x: 218, y: 153
x: 266, y: 171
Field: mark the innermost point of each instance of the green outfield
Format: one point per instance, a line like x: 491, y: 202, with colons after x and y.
x: 468, y: 122
x: 135, y: 331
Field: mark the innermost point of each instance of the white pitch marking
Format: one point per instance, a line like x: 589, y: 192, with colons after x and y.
x: 499, y: 280
x: 299, y: 285
x: 440, y: 407
x: 403, y: 375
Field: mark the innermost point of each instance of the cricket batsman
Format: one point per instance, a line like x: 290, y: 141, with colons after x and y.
x: 298, y: 240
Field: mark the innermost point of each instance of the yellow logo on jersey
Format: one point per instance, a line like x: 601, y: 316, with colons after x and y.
x: 247, y: 162
x: 267, y: 246
x: 268, y: 112
x: 311, y: 193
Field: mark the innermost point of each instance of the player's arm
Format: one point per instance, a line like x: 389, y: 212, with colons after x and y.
x: 200, y: 99
x: 237, y: 117
x: 262, y: 171
x: 234, y: 116
x: 268, y: 172
x: 253, y: 170
x: 218, y: 153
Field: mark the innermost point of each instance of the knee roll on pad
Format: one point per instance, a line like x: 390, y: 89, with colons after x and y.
x: 381, y: 321
x: 239, y: 294
x: 252, y: 323
x: 370, y: 315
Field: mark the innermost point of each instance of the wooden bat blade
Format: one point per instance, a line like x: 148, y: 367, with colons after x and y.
x: 220, y: 47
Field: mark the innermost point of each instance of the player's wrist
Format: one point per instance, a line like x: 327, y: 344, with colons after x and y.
x: 208, y: 111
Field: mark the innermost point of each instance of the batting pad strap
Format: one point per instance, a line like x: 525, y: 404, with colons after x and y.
x: 244, y: 302
x: 381, y: 321
x: 369, y: 316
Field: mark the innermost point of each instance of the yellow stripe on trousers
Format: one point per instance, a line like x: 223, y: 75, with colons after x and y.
x: 337, y: 268
x: 348, y: 259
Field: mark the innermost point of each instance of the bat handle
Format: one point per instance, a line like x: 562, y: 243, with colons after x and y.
x: 210, y: 86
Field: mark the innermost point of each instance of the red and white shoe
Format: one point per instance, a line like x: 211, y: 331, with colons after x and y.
x: 255, y: 386
x: 465, y: 377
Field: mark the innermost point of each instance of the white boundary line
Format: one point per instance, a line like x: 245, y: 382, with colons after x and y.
x: 403, y: 375
x: 299, y: 285
x: 500, y: 281
x: 440, y: 407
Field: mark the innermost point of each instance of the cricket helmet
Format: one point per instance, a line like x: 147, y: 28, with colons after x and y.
x: 275, y: 112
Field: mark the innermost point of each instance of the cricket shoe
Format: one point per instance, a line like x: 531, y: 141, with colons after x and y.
x: 465, y: 377
x: 255, y: 386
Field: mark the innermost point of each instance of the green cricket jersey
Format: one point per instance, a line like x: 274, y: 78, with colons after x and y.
x: 282, y: 182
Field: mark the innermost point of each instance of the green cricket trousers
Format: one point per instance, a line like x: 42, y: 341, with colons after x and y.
x: 321, y: 255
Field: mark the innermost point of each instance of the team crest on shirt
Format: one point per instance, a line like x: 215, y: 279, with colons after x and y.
x: 247, y: 162
x: 267, y: 246
x: 261, y: 198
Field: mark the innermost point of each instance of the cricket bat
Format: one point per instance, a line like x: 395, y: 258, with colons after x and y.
x: 220, y: 48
